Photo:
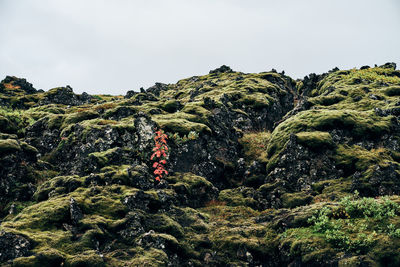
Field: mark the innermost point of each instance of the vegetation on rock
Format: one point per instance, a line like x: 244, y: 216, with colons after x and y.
x: 262, y: 171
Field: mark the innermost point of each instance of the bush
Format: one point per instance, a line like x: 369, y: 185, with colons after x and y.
x: 352, y: 225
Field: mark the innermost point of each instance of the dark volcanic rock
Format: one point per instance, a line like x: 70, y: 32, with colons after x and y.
x: 75, y: 211
x: 299, y: 167
x: 22, y: 84
x: 149, y: 202
x: 262, y: 171
x: 222, y: 69
x: 130, y: 93
x: 384, y: 180
x: 16, y: 176
x: 132, y: 227
x: 13, y: 246
x: 65, y: 96
x: 88, y: 150
x: 157, y: 88
x: 389, y: 65
x: 43, y: 135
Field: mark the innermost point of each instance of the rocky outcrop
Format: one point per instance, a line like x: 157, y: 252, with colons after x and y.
x: 17, y: 83
x: 222, y: 69
x: 13, y: 246
x: 17, y: 179
x: 157, y: 88
x: 65, y: 96
x: 262, y: 171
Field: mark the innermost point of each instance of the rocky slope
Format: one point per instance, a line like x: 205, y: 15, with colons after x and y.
x: 263, y: 171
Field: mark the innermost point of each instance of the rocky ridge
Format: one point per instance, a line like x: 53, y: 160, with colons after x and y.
x: 263, y: 171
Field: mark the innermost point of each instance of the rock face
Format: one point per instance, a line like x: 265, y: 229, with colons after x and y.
x: 21, y: 84
x: 13, y: 246
x: 64, y: 96
x: 262, y: 171
x: 16, y: 176
x: 20, y: 94
x: 221, y: 69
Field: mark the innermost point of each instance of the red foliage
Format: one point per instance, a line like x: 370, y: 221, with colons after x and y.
x: 159, y: 155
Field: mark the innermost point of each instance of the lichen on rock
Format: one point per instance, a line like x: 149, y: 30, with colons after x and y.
x: 263, y: 171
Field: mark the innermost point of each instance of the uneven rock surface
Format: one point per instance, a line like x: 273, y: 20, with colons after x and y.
x: 263, y: 170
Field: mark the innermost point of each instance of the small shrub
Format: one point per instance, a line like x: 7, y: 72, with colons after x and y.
x: 160, y: 155
x: 366, y: 207
x: 192, y: 135
x: 341, y: 227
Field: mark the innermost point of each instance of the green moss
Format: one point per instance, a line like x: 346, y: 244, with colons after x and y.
x: 190, y: 180
x: 181, y: 123
x: 292, y: 200
x: 9, y: 146
x: 196, y: 108
x: 315, y: 140
x: 149, y: 257
x: 80, y: 116
x: 240, y: 196
x: 354, y: 261
x: 327, y: 100
x: 255, y: 145
x: 360, y: 123
x: 302, y: 242
x: 373, y: 75
x: 358, y: 158
x: 233, y: 229
x: 256, y: 100
x: 5, y: 124
x: 8, y: 136
x: 171, y: 106
x: 26, y: 261
x: 51, y: 108
x: 28, y: 148
x: 46, y: 257
x: 55, y: 121
x: 58, y: 186
x: 112, y: 110
x: 164, y: 224
x: 105, y: 202
x: 88, y: 258
x: 46, y: 215
x: 102, y: 158
x: 333, y: 189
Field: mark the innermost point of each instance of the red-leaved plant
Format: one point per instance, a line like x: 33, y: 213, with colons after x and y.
x: 160, y: 155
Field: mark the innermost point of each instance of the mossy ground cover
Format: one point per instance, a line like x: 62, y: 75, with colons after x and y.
x: 255, y: 144
x: 201, y: 224
x: 343, y: 100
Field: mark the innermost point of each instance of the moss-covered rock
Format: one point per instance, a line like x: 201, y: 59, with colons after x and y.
x: 315, y: 139
x: 261, y: 171
x: 9, y: 146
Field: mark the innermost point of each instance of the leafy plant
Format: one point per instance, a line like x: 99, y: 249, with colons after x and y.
x: 192, y: 135
x: 366, y: 207
x: 160, y: 155
x: 344, y: 228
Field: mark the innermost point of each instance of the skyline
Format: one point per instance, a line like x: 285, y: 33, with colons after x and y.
x: 109, y: 48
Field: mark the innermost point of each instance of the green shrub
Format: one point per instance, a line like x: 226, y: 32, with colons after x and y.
x: 352, y: 225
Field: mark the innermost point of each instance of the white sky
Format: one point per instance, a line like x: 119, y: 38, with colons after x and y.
x: 111, y: 46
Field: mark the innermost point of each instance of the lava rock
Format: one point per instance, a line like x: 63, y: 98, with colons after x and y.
x: 222, y: 69
x: 65, y: 96
x: 75, y: 211
x: 13, y: 246
x: 130, y: 93
x: 157, y: 88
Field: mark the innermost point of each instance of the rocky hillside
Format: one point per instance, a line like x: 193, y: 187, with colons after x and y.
x: 263, y: 170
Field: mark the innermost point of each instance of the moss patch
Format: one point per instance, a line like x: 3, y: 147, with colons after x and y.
x: 315, y: 140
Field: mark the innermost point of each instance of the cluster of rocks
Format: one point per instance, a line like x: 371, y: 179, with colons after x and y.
x: 106, y: 151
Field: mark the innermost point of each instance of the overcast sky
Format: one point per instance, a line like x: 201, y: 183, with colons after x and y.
x: 111, y: 46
